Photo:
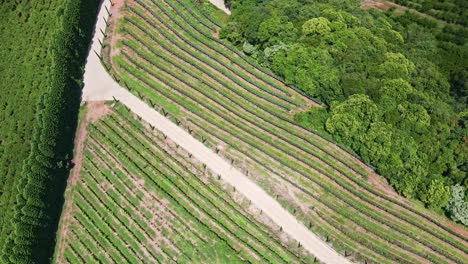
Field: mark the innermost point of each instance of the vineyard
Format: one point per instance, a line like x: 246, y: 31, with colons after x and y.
x: 453, y: 11
x: 167, y: 53
x: 141, y: 199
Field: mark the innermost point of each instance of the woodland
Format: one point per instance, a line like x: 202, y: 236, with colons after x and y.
x: 43, y: 49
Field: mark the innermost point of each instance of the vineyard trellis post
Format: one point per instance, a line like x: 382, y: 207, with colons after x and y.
x: 107, y: 10
x: 115, y: 77
x: 97, y: 54
x: 105, y: 21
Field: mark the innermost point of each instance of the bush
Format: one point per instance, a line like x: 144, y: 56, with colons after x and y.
x: 457, y: 207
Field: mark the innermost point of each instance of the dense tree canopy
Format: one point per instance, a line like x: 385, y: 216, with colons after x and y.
x: 30, y: 215
x: 395, y: 85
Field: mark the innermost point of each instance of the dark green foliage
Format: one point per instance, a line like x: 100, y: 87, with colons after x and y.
x: 451, y: 11
x: 396, y: 84
x: 30, y: 219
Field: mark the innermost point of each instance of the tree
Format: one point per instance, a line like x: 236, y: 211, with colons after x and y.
x: 232, y: 32
x: 377, y: 143
x: 275, y: 30
x: 350, y: 120
x: 310, y: 69
x: 316, y: 26
x: 457, y: 207
x: 396, y: 65
x: 437, y: 194
x: 249, y: 49
x: 394, y: 92
x: 413, y: 118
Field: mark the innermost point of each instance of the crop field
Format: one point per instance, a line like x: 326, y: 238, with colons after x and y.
x: 19, y: 96
x: 451, y: 11
x: 167, y: 53
x: 42, y: 51
x: 139, y: 198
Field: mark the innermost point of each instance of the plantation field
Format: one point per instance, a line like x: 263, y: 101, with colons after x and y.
x: 19, y: 96
x: 451, y: 11
x: 167, y: 53
x: 139, y: 198
x: 42, y: 50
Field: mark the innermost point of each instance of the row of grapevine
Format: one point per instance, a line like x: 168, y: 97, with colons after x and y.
x: 229, y: 206
x: 241, y: 119
x: 193, y: 214
x: 140, y: 65
x: 196, y: 195
x: 195, y: 25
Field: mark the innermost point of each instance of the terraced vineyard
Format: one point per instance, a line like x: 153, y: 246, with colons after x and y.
x: 167, y: 54
x: 141, y: 199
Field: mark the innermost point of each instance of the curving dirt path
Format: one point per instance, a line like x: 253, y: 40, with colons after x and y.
x: 99, y: 86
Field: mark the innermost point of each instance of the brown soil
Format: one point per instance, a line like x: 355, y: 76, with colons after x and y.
x: 216, y: 33
x: 94, y: 112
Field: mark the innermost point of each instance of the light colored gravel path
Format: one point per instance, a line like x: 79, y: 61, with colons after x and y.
x: 220, y: 4
x: 98, y: 85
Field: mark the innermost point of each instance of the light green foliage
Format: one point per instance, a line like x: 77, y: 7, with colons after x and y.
x: 320, y: 26
x: 249, y: 49
x: 436, y: 195
x: 352, y: 118
x: 413, y: 118
x: 270, y: 51
x: 457, y: 206
x: 396, y: 65
x: 314, y: 119
x: 298, y: 63
x: 232, y: 32
x: 394, y: 92
x: 377, y: 142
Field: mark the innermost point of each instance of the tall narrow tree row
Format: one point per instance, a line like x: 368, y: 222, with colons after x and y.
x: 42, y: 182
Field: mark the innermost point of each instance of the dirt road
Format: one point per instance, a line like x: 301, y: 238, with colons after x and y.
x: 100, y: 86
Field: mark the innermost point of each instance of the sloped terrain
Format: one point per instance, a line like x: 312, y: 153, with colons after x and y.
x: 139, y: 198
x: 166, y: 52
